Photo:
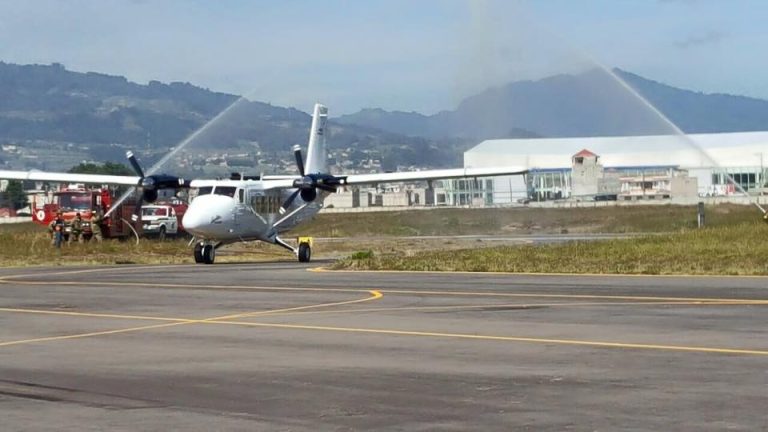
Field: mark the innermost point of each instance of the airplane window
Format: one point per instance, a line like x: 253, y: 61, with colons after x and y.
x: 225, y: 190
x: 241, y: 195
x: 256, y: 203
x: 205, y: 190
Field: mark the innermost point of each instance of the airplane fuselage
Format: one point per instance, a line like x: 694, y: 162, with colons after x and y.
x: 244, y: 210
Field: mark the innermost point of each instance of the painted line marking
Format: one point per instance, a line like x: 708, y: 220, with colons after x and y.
x: 505, y: 338
x: 496, y: 273
x: 375, y: 295
x: 91, y: 334
x: 90, y: 314
x: 522, y: 306
x: 391, y: 291
x: 414, y: 333
x: 301, y: 310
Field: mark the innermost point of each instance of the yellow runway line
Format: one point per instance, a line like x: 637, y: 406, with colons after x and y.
x: 176, y: 321
x: 92, y: 270
x: 599, y: 344
x: 522, y: 306
x: 374, y: 296
x: 90, y: 315
x: 397, y: 291
x: 85, y: 335
x: 495, y: 273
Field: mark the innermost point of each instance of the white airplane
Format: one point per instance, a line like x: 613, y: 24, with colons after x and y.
x: 257, y: 208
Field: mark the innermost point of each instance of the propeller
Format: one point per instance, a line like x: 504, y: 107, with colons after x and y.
x: 150, y: 184
x: 308, y: 184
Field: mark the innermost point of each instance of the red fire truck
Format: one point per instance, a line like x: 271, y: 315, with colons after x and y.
x: 78, y: 198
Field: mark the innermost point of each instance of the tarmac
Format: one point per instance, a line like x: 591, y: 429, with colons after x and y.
x: 282, y: 346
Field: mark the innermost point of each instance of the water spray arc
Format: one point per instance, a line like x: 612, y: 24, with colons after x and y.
x: 586, y: 57
x: 159, y: 164
x: 677, y: 131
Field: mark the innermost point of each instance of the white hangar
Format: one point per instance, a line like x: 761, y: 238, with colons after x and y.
x: 626, y: 166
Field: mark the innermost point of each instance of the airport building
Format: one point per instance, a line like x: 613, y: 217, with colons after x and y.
x: 674, y: 167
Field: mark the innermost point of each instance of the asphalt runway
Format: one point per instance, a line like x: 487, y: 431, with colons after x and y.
x: 276, y: 346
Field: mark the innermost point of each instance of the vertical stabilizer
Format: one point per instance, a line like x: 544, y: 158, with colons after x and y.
x: 317, y: 158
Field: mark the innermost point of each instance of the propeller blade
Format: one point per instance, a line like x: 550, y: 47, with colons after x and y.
x: 134, y: 163
x: 299, y: 159
x: 289, y: 201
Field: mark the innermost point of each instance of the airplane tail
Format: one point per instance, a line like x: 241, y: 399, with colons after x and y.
x: 317, y: 158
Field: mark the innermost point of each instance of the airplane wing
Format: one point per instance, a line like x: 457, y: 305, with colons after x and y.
x: 286, y: 182
x: 283, y: 182
x: 69, y: 177
x: 280, y: 177
x: 443, y: 174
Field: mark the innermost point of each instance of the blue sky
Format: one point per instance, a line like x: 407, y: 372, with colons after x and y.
x: 407, y: 55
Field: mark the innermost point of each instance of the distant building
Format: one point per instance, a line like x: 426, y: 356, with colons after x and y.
x: 601, y: 167
x: 586, y: 173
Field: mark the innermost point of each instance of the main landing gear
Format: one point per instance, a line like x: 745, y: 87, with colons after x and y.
x: 303, y: 252
x: 205, y: 253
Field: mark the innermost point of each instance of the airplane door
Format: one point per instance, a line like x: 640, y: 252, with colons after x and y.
x: 240, y: 210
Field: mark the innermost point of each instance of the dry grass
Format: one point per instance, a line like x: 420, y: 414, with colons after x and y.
x: 725, y: 250
x: 731, y: 246
x: 30, y: 244
x: 522, y: 220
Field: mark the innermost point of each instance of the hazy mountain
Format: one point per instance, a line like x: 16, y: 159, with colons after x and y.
x: 61, y: 118
x: 592, y: 103
x: 50, y: 107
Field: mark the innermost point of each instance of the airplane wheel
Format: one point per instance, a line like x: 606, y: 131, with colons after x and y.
x: 305, y: 252
x: 209, y: 254
x: 199, y: 253
x: 161, y: 234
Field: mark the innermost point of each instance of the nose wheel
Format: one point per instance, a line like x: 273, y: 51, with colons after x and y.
x: 205, y: 253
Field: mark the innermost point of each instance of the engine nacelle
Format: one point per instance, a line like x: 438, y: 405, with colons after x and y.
x: 308, y: 195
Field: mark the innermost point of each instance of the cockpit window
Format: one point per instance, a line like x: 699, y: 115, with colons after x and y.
x: 225, y: 190
x: 205, y: 190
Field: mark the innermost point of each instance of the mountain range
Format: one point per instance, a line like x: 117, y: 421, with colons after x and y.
x: 593, y: 103
x: 46, y: 106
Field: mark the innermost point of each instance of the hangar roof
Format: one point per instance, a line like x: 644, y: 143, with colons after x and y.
x: 687, y: 151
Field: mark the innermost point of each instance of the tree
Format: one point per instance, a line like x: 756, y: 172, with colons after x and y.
x: 15, y: 195
x: 109, y: 168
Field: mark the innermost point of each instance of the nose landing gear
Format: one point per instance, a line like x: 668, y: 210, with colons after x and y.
x: 205, y: 252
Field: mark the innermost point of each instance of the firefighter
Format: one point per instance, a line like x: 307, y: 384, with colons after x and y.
x: 96, y: 220
x: 75, y: 233
x: 57, y: 229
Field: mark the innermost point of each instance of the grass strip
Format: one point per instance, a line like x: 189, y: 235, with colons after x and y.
x: 739, y: 249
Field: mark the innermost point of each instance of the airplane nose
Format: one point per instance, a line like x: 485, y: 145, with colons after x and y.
x: 208, y: 215
x: 193, y: 219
